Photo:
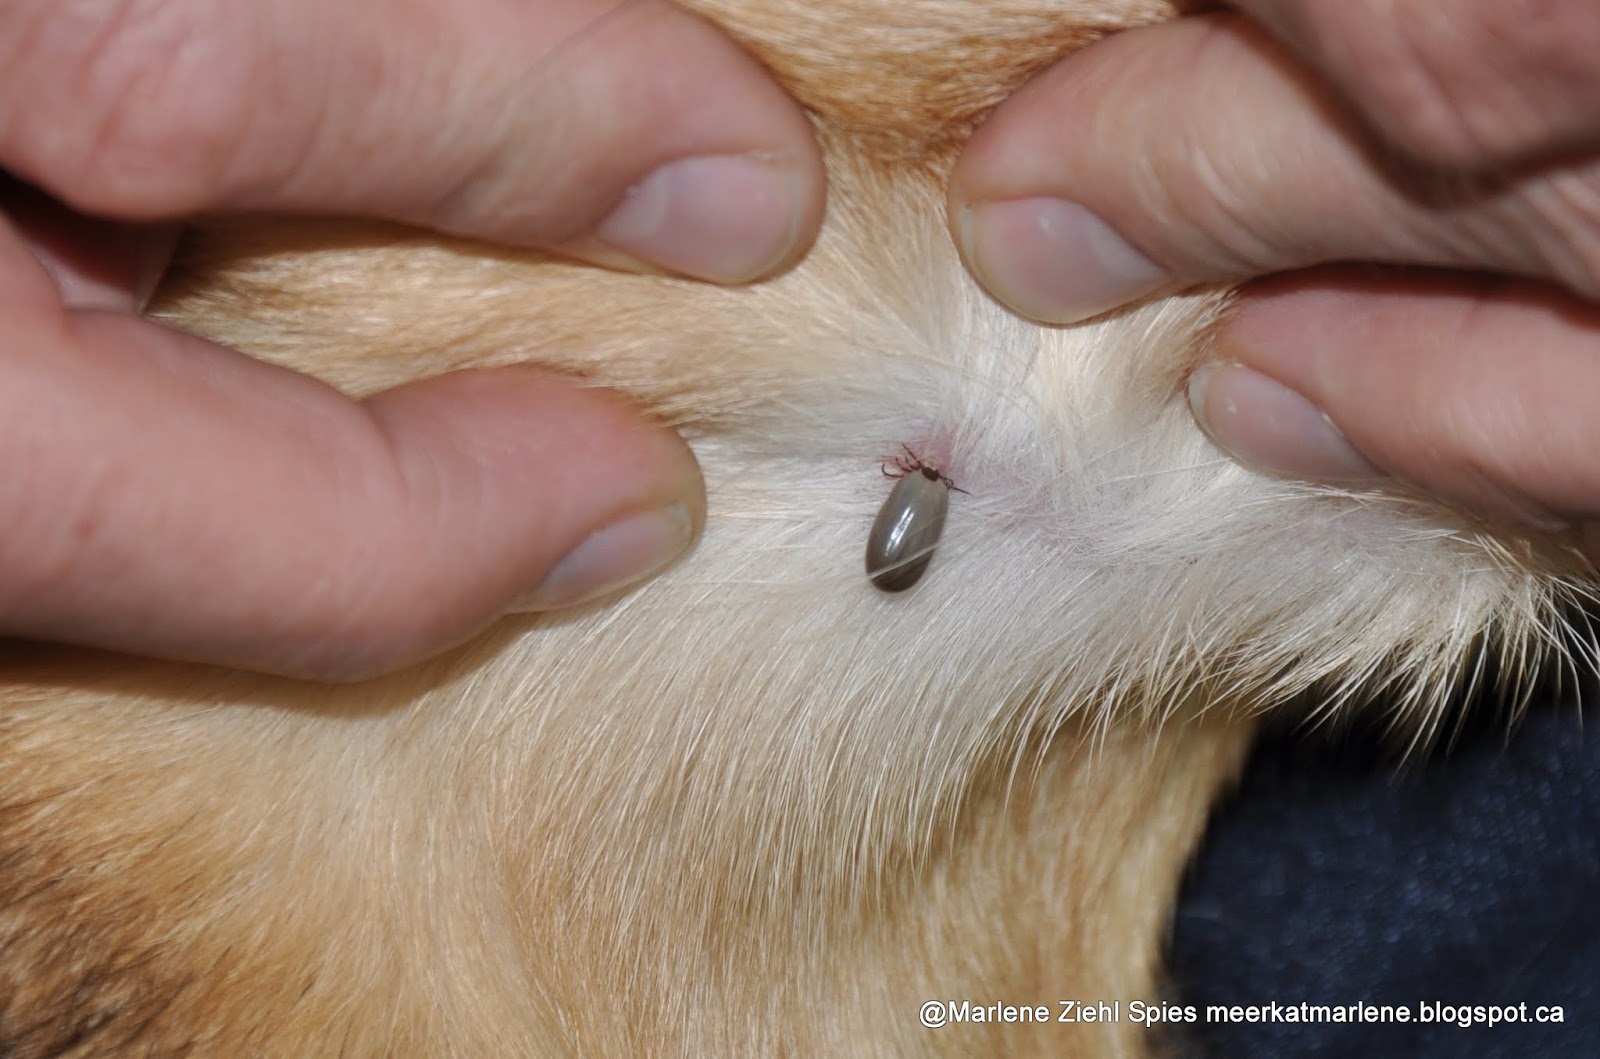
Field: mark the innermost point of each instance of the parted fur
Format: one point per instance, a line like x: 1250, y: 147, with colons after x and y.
x: 756, y: 806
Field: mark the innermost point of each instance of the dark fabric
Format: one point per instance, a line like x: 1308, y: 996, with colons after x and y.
x: 1337, y: 875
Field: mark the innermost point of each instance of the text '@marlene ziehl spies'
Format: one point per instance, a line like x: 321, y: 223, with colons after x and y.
x: 937, y: 1013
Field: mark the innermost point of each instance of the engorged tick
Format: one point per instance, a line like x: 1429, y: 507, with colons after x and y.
x: 909, y: 524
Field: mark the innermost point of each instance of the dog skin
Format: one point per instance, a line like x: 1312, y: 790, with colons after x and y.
x: 755, y: 806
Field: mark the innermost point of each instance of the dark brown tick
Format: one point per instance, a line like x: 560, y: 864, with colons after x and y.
x: 909, y: 524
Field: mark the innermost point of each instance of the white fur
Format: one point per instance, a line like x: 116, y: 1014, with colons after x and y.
x: 755, y: 806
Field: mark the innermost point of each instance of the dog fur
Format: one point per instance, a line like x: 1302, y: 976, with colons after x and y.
x: 754, y: 807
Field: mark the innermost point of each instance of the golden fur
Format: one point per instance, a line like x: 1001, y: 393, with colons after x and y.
x: 754, y: 807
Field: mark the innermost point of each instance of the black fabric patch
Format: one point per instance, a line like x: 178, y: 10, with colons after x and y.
x: 1337, y: 875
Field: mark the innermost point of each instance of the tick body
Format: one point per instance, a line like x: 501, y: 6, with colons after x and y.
x: 908, y: 526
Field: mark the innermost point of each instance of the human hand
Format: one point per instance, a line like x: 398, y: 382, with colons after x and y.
x: 170, y: 497
x: 1462, y: 135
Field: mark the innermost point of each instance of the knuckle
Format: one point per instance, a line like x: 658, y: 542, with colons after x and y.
x: 1462, y: 91
x: 1426, y: 95
x: 1566, y: 226
x: 154, y: 95
x: 1223, y: 226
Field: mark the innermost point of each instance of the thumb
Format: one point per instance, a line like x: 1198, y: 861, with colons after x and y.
x: 630, y: 132
x: 1474, y: 390
x: 174, y: 498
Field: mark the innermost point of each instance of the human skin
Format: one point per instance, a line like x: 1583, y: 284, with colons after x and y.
x: 169, y: 497
x: 1458, y: 142
x: 172, y: 498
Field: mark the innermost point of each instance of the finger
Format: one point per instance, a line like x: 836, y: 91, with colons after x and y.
x: 169, y: 497
x: 1196, y: 150
x: 626, y: 127
x: 1477, y: 391
x: 95, y: 264
x: 1456, y: 83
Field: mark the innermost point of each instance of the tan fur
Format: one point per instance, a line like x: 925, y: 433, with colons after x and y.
x: 755, y: 807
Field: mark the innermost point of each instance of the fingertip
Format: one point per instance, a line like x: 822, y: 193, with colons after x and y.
x: 1038, y: 197
x: 1269, y: 427
x: 1191, y: 151
x: 722, y: 218
x: 676, y: 152
x: 1465, y: 390
x: 521, y: 491
x: 580, y: 492
x: 1052, y: 260
x: 611, y: 558
x: 637, y: 134
x: 183, y: 501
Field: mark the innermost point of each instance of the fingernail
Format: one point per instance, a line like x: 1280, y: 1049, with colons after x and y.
x: 725, y: 218
x: 1053, y: 260
x: 612, y: 557
x: 1267, y: 426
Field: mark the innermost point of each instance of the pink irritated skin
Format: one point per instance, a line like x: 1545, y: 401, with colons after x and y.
x: 934, y: 455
